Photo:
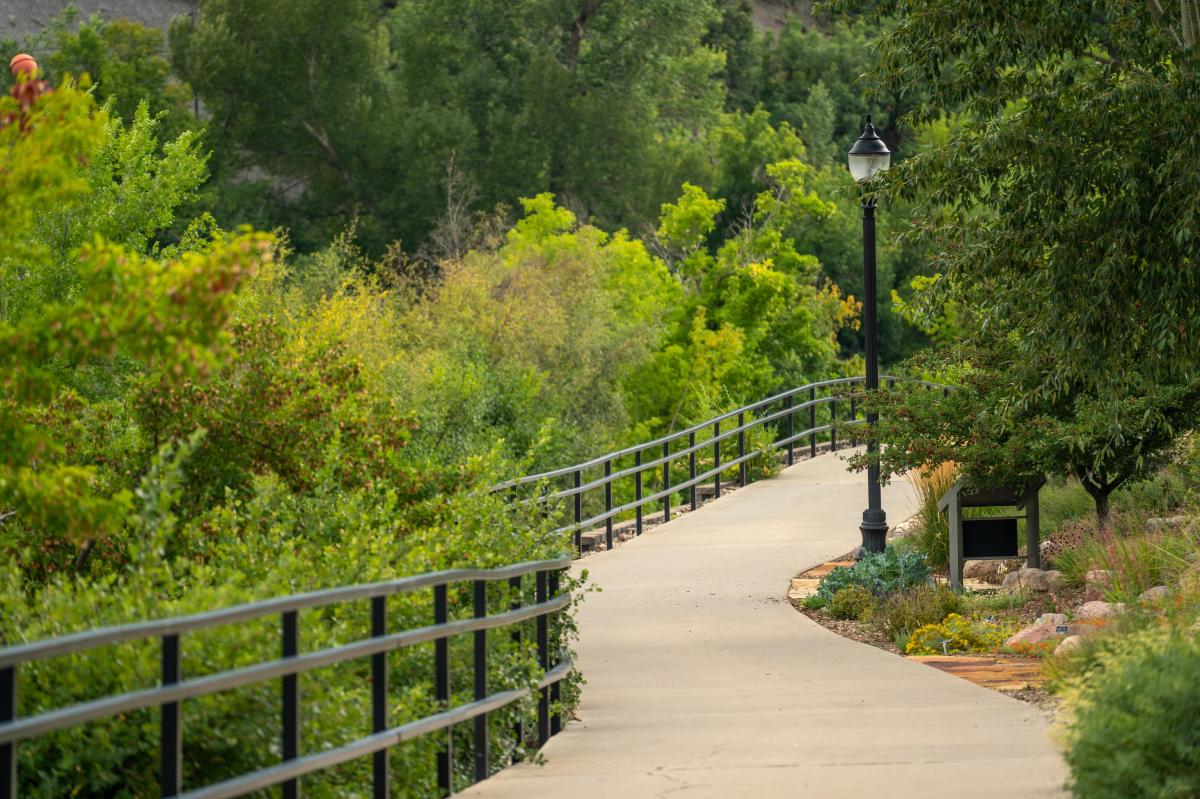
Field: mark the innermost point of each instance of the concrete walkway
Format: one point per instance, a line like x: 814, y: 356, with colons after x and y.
x: 703, y: 681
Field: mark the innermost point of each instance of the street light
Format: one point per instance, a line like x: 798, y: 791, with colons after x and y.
x: 868, y: 158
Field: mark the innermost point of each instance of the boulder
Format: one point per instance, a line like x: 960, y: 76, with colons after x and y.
x: 1097, y: 609
x: 986, y: 570
x: 1052, y: 619
x: 1155, y: 525
x: 1154, y: 595
x: 1033, y: 579
x: 1096, y: 584
x: 1035, y: 633
x: 1069, y: 643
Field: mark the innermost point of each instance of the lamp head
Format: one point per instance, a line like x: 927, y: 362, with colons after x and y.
x: 869, y: 156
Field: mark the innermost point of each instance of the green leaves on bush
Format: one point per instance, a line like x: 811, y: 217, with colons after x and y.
x: 851, y: 602
x: 880, y: 573
x: 1134, y: 731
x: 900, y: 614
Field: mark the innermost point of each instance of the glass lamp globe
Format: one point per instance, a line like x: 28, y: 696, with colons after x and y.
x: 869, y: 156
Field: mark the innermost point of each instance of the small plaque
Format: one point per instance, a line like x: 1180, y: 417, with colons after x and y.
x: 989, y: 538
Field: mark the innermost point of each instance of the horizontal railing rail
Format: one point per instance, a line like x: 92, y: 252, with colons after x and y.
x: 174, y: 689
x: 708, y: 441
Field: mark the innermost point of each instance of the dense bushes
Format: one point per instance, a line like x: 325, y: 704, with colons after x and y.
x: 1132, y: 730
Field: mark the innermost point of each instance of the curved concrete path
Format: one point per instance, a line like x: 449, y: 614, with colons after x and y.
x: 702, y: 681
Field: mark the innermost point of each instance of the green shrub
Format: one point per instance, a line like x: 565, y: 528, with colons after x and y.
x: 880, y: 573
x: 851, y: 602
x: 1132, y: 730
x: 900, y: 614
x: 956, y: 634
x: 814, y: 602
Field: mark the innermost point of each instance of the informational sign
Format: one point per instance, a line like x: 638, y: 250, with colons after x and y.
x: 989, y: 538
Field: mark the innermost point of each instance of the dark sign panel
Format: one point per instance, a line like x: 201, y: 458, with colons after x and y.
x: 989, y: 538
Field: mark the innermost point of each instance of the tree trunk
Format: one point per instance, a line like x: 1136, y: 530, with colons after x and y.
x: 1103, y: 514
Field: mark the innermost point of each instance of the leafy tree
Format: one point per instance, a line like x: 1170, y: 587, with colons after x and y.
x: 1077, y: 264
x: 600, y: 102
x: 756, y: 313
x: 1066, y: 197
x: 126, y: 63
x: 1000, y: 431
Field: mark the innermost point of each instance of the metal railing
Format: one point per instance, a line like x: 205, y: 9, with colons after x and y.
x: 174, y: 688
x: 779, y: 412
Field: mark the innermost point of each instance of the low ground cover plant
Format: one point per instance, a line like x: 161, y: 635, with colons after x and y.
x: 851, y: 602
x: 898, y: 615
x: 879, y: 573
x: 956, y: 633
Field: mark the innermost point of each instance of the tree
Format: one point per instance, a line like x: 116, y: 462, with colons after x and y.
x: 603, y: 103
x: 1067, y: 189
x: 1061, y: 203
x: 1000, y: 431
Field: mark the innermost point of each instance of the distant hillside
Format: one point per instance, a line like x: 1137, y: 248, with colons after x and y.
x: 770, y: 15
x: 23, y: 17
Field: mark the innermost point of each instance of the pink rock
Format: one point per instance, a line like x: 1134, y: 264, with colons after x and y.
x: 1098, y: 610
x: 1096, y: 584
x: 1033, y: 634
x: 1069, y: 643
x: 1156, y: 594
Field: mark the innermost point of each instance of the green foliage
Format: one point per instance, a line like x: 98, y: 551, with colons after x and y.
x: 954, y: 634
x: 1132, y: 725
x: 880, y: 573
x: 1002, y: 431
x: 851, y: 602
x: 126, y: 63
x: 981, y: 604
x: 899, y: 614
x: 1137, y: 559
x: 604, y: 103
x: 1017, y: 225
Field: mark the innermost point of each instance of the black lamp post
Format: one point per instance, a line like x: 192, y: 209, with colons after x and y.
x: 868, y: 157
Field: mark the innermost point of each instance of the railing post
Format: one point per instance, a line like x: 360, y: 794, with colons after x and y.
x: 291, y: 701
x: 741, y: 448
x: 717, y: 459
x: 441, y: 680
x: 170, y: 723
x: 853, y: 417
x: 380, y: 779
x: 481, y: 721
x: 608, y: 523
x: 812, y: 422
x: 692, y: 468
x: 833, y: 422
x: 556, y: 688
x: 514, y: 585
x: 666, y: 453
x: 8, y: 751
x: 578, y: 511
x: 543, y: 647
x: 637, y: 487
x: 791, y: 430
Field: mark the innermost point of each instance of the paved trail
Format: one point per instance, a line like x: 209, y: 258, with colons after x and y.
x: 704, y: 682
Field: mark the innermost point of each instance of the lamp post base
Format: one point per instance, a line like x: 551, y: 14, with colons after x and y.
x: 874, y: 529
